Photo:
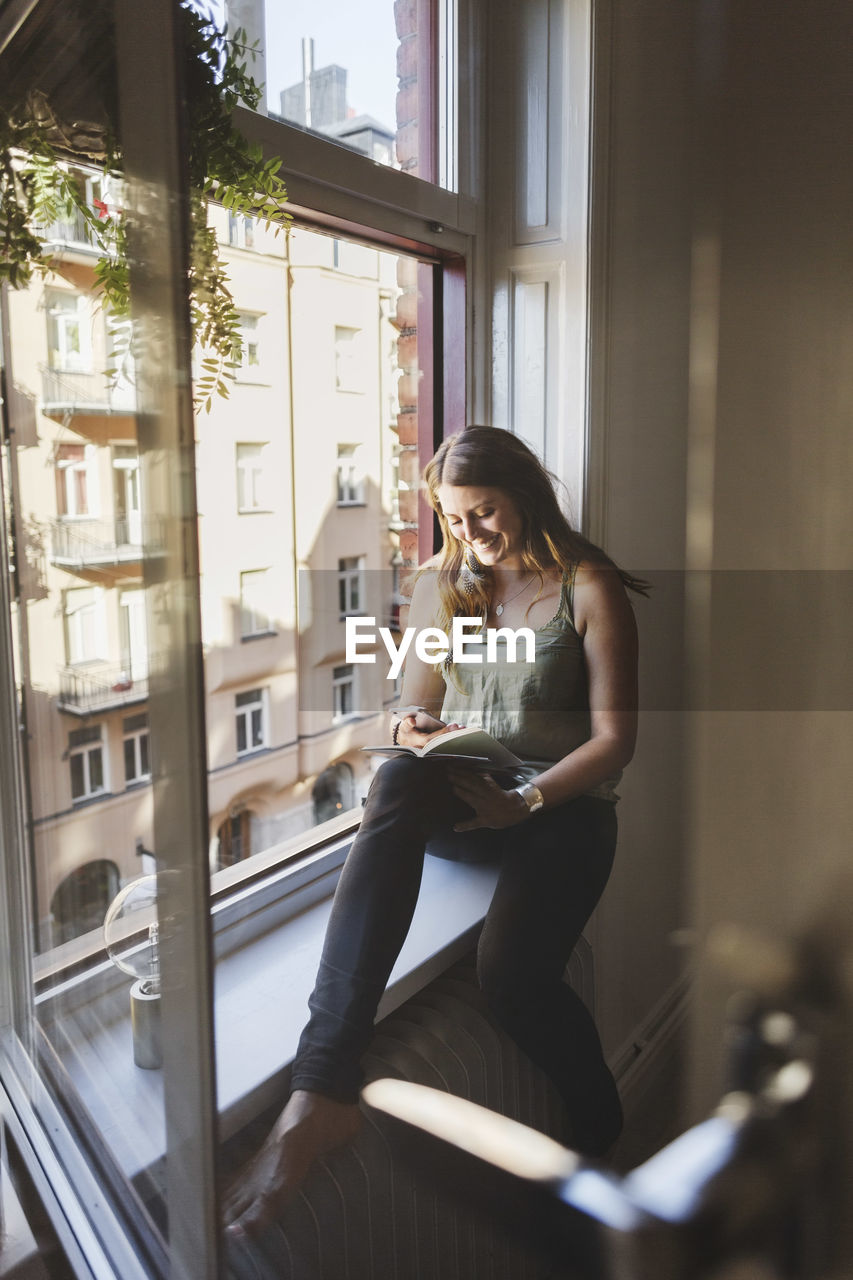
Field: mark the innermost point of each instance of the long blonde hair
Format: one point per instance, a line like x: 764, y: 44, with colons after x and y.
x: 491, y: 458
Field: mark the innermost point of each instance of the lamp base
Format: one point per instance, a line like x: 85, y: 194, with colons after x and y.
x: 145, y: 1021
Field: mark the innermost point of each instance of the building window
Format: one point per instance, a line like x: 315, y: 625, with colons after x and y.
x: 251, y: 486
x: 250, y: 355
x: 80, y: 903
x: 133, y: 632
x: 343, y: 692
x: 84, y: 629
x: 333, y: 792
x: 241, y: 231
x: 235, y: 838
x: 69, y: 333
x: 126, y: 494
x: 251, y: 714
x: 73, y: 482
x: 349, y: 359
x: 86, y: 761
x: 350, y: 480
x: 137, y: 762
x: 351, y: 585
x: 254, y: 603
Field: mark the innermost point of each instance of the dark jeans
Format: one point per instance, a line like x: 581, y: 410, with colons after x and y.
x: 553, y: 868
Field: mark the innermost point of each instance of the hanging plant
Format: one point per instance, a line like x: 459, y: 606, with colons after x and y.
x: 45, y: 160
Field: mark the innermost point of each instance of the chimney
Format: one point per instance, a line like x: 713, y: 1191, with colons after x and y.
x: 307, y: 69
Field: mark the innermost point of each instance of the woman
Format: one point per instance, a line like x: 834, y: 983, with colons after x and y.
x: 508, y: 556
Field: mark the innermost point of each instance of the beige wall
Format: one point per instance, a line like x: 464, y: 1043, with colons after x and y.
x: 721, y: 439
x: 639, y: 300
x: 771, y: 810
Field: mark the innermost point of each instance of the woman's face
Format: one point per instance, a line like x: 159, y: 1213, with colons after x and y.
x: 487, y: 520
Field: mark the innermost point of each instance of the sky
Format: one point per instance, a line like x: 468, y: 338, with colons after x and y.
x: 359, y: 37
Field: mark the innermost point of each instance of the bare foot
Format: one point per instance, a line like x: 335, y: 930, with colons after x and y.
x: 309, y: 1127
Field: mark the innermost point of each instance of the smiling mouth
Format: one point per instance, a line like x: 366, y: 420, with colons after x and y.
x: 483, y: 544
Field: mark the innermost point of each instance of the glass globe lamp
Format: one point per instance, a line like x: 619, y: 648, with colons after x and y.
x: 131, y: 937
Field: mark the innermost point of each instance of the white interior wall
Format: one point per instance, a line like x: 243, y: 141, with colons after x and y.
x: 623, y: 456
x: 639, y: 309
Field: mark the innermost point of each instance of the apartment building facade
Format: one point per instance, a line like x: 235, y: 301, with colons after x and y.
x: 296, y: 475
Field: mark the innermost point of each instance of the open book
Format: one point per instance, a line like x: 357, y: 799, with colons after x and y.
x: 468, y: 746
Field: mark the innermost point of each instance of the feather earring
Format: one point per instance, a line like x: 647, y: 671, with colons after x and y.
x: 472, y: 573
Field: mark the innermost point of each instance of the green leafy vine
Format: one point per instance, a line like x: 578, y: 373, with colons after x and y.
x: 45, y: 161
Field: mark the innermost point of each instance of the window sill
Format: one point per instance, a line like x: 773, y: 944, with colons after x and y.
x: 264, y: 975
x: 82, y: 802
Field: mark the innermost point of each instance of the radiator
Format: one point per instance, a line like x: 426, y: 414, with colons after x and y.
x: 362, y: 1215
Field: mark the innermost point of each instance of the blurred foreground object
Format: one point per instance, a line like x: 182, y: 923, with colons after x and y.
x: 760, y: 1183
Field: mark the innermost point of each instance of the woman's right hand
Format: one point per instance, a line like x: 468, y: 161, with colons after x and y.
x: 417, y: 731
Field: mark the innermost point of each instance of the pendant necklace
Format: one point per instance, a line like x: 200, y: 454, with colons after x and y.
x: 500, y: 607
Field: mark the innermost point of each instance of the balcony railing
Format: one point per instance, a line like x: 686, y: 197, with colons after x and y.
x: 70, y: 233
x: 100, y: 687
x: 90, y: 543
x: 64, y: 391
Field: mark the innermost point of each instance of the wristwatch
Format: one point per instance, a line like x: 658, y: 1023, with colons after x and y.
x: 531, y: 795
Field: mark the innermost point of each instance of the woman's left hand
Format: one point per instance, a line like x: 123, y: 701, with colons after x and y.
x: 493, y: 807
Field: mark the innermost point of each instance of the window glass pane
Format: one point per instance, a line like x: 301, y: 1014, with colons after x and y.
x: 77, y: 528
x: 361, y: 75
x: 330, y: 496
x: 78, y: 786
x: 96, y: 770
x: 130, y: 759
x: 251, y: 477
x: 254, y: 603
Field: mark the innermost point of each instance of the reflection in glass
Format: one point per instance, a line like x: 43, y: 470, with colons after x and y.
x: 311, y: 464
x: 361, y: 76
x: 78, y: 533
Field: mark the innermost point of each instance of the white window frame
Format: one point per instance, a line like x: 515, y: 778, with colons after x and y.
x: 251, y: 368
x: 242, y: 231
x: 128, y: 506
x: 244, y: 713
x: 66, y: 356
x: 344, y: 678
x: 85, y: 751
x: 68, y: 469
x: 350, y: 586
x: 251, y: 476
x: 135, y: 736
x: 350, y: 371
x: 89, y: 612
x: 350, y: 479
x: 254, y: 621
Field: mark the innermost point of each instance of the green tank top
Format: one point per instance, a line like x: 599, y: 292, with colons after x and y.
x: 540, y: 709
